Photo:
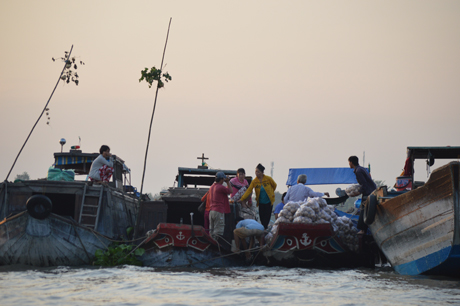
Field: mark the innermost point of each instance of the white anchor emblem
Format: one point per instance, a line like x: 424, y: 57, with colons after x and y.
x: 305, y: 239
x: 180, y: 236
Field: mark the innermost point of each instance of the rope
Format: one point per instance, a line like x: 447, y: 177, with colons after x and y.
x: 81, y: 242
x: 113, y: 240
x: 97, y: 234
x: 220, y: 252
x: 214, y: 258
x: 260, y: 249
x: 135, y: 248
x: 94, y: 233
x: 222, y: 238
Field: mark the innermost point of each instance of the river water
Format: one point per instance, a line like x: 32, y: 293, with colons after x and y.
x: 254, y: 285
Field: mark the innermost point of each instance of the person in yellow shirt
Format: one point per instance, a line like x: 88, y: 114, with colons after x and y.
x: 265, y: 188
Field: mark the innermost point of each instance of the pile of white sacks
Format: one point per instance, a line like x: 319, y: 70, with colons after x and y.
x: 353, y: 190
x: 316, y: 211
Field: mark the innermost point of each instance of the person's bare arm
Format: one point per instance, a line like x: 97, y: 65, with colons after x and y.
x: 229, y: 185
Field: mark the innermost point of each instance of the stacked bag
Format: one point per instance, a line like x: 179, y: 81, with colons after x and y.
x: 246, y: 212
x: 353, y: 190
x: 316, y: 211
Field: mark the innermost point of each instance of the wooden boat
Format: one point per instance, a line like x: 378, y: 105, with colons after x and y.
x: 418, y: 229
x: 180, y: 239
x: 316, y: 245
x: 50, y: 223
x: 173, y: 245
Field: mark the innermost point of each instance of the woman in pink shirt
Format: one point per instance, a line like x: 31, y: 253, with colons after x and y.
x: 239, y: 182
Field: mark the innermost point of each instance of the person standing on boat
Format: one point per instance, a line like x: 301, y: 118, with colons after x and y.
x: 219, y: 204
x: 367, y: 186
x: 207, y: 198
x: 300, y: 192
x: 239, y: 182
x: 102, y: 167
x: 265, y: 188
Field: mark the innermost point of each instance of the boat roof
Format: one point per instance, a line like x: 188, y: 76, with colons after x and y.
x: 447, y: 152
x: 201, y: 176
x: 322, y: 176
x: 205, y: 171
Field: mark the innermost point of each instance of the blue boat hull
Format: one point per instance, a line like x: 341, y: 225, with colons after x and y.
x: 444, y: 262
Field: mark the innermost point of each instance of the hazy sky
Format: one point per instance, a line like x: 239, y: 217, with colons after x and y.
x: 298, y: 83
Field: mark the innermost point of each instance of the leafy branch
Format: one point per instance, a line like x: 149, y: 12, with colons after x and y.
x: 69, y: 75
x: 118, y: 254
x: 154, y: 75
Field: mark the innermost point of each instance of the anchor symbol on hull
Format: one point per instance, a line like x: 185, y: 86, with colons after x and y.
x: 180, y: 236
x: 305, y: 239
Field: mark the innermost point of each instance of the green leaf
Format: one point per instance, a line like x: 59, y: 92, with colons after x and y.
x: 139, y: 252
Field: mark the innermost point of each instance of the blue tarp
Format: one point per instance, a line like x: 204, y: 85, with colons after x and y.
x: 322, y: 176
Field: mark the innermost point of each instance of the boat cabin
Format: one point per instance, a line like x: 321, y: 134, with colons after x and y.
x: 80, y: 163
x: 406, y: 181
x: 191, y: 185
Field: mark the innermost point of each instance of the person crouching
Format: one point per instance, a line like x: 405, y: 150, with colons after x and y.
x: 102, y: 167
x: 248, y: 228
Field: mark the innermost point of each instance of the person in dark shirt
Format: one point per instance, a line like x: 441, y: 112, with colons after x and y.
x: 367, y: 186
x: 280, y: 206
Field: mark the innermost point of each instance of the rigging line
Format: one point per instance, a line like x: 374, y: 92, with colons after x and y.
x: 136, y: 248
x: 153, y: 112
x: 43, y: 111
x: 81, y: 242
x: 109, y: 239
x: 214, y: 258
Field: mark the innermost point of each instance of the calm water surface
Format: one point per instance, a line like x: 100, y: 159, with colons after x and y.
x: 233, y: 286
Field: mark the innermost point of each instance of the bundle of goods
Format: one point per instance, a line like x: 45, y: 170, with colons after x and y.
x: 347, y: 232
x: 248, y: 213
x: 287, y: 214
x: 269, y: 236
x: 239, y: 194
x: 353, y: 190
x: 316, y: 211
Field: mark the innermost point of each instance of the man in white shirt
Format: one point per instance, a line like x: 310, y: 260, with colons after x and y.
x: 102, y: 167
x: 300, y: 192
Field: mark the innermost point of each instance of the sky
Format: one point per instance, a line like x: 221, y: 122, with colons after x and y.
x: 301, y: 84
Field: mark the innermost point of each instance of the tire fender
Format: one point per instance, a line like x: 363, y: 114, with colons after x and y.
x: 39, y: 206
x: 370, y: 210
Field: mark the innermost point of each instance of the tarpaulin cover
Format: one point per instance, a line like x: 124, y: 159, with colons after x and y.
x: 55, y: 174
x: 322, y: 176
